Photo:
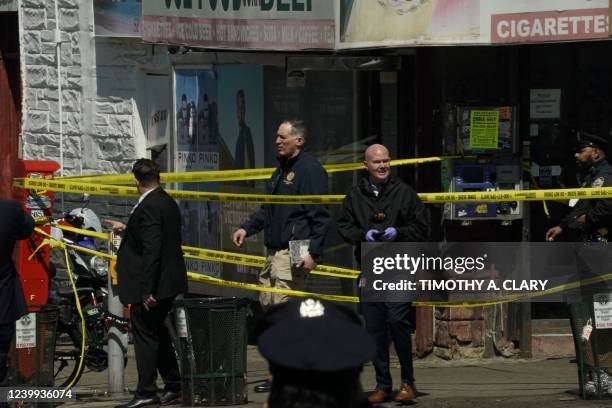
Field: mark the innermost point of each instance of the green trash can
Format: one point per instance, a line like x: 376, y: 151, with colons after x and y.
x: 212, y: 337
x: 32, y: 350
x: 593, y: 352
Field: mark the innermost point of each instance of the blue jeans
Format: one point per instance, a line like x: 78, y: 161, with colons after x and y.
x: 386, y: 321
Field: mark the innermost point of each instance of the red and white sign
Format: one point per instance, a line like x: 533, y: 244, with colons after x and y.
x: 237, y: 24
x: 564, y: 25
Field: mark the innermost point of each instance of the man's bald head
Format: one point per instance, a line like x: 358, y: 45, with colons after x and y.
x: 375, y: 148
x: 377, y: 163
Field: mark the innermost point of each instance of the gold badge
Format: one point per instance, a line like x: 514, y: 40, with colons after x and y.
x: 380, y: 216
x: 598, y: 182
x: 289, y: 178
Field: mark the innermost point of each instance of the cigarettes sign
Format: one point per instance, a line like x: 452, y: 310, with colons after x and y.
x: 550, y: 26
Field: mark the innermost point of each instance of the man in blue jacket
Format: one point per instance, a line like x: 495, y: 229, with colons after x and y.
x: 14, y: 225
x: 298, y: 173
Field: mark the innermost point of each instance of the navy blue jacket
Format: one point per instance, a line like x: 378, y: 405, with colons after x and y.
x: 14, y: 225
x: 301, y: 175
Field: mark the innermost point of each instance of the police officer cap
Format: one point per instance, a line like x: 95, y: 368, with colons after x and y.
x: 313, y: 335
x: 591, y: 140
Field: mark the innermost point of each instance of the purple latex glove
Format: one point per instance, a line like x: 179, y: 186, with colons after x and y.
x: 389, y: 235
x: 371, y: 235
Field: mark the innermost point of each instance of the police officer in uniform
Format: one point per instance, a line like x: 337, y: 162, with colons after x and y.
x: 316, y: 350
x: 589, y: 220
x: 383, y: 208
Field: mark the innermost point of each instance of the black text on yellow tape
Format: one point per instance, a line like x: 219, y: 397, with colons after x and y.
x: 236, y: 175
x: 250, y: 286
x: 259, y: 261
x: 122, y: 191
x: 488, y: 196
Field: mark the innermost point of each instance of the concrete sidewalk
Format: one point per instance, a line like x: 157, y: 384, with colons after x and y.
x: 466, y: 383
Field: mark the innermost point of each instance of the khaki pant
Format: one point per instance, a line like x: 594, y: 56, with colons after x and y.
x: 278, y: 273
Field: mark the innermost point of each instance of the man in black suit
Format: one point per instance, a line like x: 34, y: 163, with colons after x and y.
x: 14, y: 225
x: 151, y: 273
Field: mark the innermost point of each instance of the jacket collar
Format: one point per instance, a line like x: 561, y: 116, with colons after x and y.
x: 366, y: 186
x: 289, y: 163
x: 597, y: 166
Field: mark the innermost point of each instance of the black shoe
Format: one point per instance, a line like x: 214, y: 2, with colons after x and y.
x: 150, y: 402
x: 265, y: 386
x: 170, y: 398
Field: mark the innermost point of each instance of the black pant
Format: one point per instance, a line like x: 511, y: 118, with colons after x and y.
x: 153, y: 348
x: 382, y: 319
x: 6, y: 336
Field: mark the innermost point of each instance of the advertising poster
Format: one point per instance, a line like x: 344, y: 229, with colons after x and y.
x: 196, y: 133
x: 386, y: 23
x: 395, y: 22
x: 118, y: 18
x: 241, y: 146
x: 484, y: 129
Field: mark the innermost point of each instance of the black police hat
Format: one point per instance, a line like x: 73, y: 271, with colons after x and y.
x: 591, y: 140
x: 314, y: 335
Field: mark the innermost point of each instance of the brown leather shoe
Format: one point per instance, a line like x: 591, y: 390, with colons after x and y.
x: 379, y: 396
x: 407, y: 392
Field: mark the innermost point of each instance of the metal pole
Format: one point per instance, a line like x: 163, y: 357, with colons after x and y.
x: 117, y: 339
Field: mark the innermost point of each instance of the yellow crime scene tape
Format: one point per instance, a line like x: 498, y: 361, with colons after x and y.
x: 428, y: 198
x: 257, y: 261
x: 235, y: 258
x: 251, y: 286
x: 239, y: 175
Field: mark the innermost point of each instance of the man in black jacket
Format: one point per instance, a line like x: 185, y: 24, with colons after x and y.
x: 589, y: 220
x: 151, y: 273
x: 383, y: 208
x: 14, y: 225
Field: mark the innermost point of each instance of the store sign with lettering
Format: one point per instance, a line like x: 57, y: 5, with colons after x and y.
x: 550, y: 26
x: 251, y: 24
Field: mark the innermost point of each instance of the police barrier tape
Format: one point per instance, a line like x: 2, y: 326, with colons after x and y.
x: 251, y: 286
x: 229, y: 257
x: 194, y: 252
x: 238, y: 175
x: 259, y: 261
x: 427, y: 198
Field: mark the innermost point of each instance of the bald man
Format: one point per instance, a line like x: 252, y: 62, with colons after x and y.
x: 385, y: 209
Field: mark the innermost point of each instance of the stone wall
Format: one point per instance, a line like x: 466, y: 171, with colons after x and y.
x: 101, y: 127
